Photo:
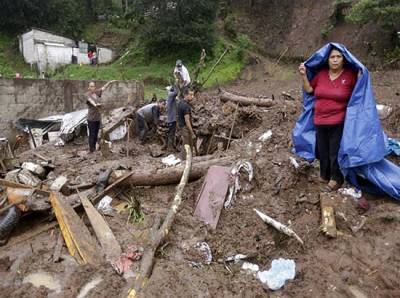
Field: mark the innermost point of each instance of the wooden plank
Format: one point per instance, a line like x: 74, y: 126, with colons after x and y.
x: 7, y: 183
x: 107, y: 240
x: 212, y: 195
x: 328, y: 222
x: 78, y: 239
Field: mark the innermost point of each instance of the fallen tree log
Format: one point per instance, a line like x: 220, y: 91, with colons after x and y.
x: 245, y: 100
x: 159, y: 235
x: 172, y: 175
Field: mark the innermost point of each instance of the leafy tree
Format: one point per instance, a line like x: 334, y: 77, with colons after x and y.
x: 18, y: 15
x: 181, y: 26
x: 386, y: 13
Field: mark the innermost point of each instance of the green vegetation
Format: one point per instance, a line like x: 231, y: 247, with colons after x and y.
x: 386, y: 13
x: 11, y: 61
x: 157, y: 73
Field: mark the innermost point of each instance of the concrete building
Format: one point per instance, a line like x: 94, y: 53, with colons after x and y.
x: 48, y: 51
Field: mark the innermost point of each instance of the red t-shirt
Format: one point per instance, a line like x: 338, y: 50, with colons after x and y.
x: 332, y: 96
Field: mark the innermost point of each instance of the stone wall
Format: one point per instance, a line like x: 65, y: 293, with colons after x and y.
x: 25, y: 98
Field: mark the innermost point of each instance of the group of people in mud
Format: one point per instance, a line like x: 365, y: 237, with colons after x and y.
x: 148, y: 117
x: 332, y: 87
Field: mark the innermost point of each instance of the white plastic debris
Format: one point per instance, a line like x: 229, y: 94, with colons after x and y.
x: 235, y: 174
x: 34, y: 168
x: 104, y: 206
x: 236, y: 258
x: 294, y: 162
x: 350, y: 192
x: 170, y: 160
x: 250, y: 267
x: 383, y: 111
x: 59, y: 183
x: 265, y: 136
x: 118, y: 133
x: 281, y: 271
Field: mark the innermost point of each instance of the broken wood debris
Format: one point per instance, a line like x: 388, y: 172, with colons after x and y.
x: 328, y: 222
x: 106, y: 237
x: 160, y: 234
x: 279, y: 226
x: 58, y: 248
x: 246, y: 100
x: 78, y: 239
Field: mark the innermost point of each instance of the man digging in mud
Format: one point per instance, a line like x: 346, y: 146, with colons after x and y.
x: 185, y: 120
x: 148, y: 117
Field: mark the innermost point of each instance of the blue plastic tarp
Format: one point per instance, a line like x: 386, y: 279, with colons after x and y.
x: 362, y: 148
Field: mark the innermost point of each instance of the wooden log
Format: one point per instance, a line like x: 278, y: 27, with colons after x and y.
x: 169, y: 175
x: 106, y: 237
x: 159, y: 235
x: 78, y: 239
x: 246, y: 101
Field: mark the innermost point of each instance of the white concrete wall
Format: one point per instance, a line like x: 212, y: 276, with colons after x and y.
x: 50, y: 56
x: 28, y: 48
x: 104, y: 55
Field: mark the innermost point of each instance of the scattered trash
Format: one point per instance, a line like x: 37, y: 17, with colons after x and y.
x: 18, y: 195
x: 359, y: 226
x: 206, y: 256
x: 350, y: 192
x: 294, y: 162
x: 171, y: 160
x: 43, y: 279
x: 236, y: 258
x: 281, y: 271
x: 104, y: 206
x: 89, y: 286
x: 383, y: 111
x: 250, y: 267
x: 26, y: 177
x: 34, y: 168
x: 118, y: 133
x: 236, y: 187
x: 265, y: 136
x: 277, y: 225
x: 132, y: 254
x: 59, y: 183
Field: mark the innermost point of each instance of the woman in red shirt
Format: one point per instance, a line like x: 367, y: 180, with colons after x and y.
x: 332, y: 87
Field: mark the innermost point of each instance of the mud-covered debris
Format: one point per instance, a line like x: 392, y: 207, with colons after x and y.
x: 281, y: 271
x: 350, y: 192
x: 171, y: 160
x: 294, y: 162
x: 235, y: 186
x: 26, y: 177
x: 104, y: 206
x: 34, y: 168
x: 279, y: 226
x: 250, y: 267
x: 59, y: 184
x: 265, y: 136
x: 204, y: 255
x: 133, y: 253
x: 384, y: 111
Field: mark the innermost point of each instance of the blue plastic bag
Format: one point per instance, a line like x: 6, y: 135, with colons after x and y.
x: 362, y: 148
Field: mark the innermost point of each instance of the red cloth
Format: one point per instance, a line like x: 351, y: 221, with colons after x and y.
x: 332, y: 96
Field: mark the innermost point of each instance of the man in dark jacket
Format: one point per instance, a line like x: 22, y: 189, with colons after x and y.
x: 148, y: 117
x: 171, y: 117
x: 185, y: 120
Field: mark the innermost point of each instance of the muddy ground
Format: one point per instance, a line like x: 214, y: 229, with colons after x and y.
x: 361, y: 262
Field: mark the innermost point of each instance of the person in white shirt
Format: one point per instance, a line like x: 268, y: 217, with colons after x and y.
x: 182, y: 76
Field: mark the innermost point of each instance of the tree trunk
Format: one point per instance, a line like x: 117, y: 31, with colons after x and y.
x: 246, y: 101
x: 167, y: 176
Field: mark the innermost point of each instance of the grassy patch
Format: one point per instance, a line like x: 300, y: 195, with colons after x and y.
x: 11, y: 60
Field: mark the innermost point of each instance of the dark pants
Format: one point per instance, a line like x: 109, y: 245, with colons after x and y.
x: 328, y: 143
x: 141, y: 127
x: 94, y: 127
x: 186, y: 140
x: 171, y: 135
